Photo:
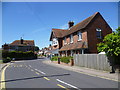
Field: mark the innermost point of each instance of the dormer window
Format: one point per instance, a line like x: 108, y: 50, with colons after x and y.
x: 98, y: 33
x: 64, y: 40
x: 71, y: 38
x: 54, y: 42
x: 79, y: 36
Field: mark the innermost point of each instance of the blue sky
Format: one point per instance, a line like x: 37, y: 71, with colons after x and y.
x: 34, y: 21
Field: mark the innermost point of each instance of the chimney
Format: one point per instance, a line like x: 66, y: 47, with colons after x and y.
x: 70, y: 23
x: 21, y: 40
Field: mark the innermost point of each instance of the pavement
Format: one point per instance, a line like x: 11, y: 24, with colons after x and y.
x: 87, y: 71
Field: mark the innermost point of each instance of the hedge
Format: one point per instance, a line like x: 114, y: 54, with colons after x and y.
x: 62, y: 59
x: 65, y: 59
x: 55, y: 58
x: 19, y: 54
x: 6, y: 60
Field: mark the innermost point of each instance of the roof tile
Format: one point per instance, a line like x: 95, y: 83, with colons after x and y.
x: 25, y: 42
x: 59, y: 33
x: 74, y: 46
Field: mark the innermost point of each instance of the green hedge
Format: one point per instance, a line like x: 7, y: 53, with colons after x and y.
x: 65, y: 59
x: 6, y: 60
x: 55, y: 58
x: 62, y: 59
x: 19, y: 54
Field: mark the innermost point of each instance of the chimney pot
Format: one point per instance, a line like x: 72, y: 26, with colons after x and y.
x: 21, y: 40
x: 70, y: 23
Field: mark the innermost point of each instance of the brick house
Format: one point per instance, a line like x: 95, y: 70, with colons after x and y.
x: 20, y: 45
x: 80, y: 38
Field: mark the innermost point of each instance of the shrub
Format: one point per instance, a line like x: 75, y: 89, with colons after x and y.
x: 111, y: 46
x: 19, y: 54
x: 55, y: 58
x: 65, y: 59
x: 5, y: 60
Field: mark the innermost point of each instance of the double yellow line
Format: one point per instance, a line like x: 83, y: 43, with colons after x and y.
x: 3, y: 78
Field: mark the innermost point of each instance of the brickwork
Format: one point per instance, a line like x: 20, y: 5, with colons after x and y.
x: 91, y: 36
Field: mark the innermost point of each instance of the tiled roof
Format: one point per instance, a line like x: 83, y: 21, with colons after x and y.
x: 25, y: 42
x: 59, y: 33
x: 83, y: 24
x: 74, y: 46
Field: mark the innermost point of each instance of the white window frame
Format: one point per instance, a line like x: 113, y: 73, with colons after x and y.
x: 71, y: 38
x: 99, y: 30
x: 54, y: 42
x: 79, y: 36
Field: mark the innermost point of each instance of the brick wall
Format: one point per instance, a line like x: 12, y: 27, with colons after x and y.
x: 91, y: 36
x: 75, y: 38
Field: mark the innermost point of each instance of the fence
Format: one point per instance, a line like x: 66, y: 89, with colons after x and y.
x: 93, y: 61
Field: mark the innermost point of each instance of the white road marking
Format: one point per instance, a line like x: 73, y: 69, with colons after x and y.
x: 36, y: 69
x: 40, y: 71
x: 29, y: 65
x: 67, y: 84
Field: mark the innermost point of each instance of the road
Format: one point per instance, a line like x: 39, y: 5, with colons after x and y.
x: 35, y: 74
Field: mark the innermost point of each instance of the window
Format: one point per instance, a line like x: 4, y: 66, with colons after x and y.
x: 71, y: 38
x: 79, y: 36
x: 98, y: 33
x: 55, y: 41
x: 64, y: 40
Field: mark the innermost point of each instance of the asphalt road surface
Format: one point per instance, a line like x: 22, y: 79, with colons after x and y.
x: 35, y: 74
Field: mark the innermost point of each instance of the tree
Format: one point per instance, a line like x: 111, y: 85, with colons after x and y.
x: 36, y: 48
x: 111, y: 45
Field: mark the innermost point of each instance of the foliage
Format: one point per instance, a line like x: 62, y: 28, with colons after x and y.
x: 19, y: 54
x: 55, y: 58
x: 5, y: 60
x: 66, y: 59
x: 111, y: 44
x: 36, y: 48
x: 62, y: 59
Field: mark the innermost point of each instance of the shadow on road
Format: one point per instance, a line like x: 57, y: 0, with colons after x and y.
x: 33, y: 78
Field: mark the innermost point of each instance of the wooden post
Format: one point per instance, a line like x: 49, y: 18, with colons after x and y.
x: 71, y: 62
x: 58, y: 60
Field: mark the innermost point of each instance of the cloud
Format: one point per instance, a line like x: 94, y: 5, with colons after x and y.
x: 65, y: 26
x: 39, y: 30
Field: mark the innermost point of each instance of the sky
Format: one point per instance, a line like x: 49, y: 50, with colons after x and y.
x: 35, y: 20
